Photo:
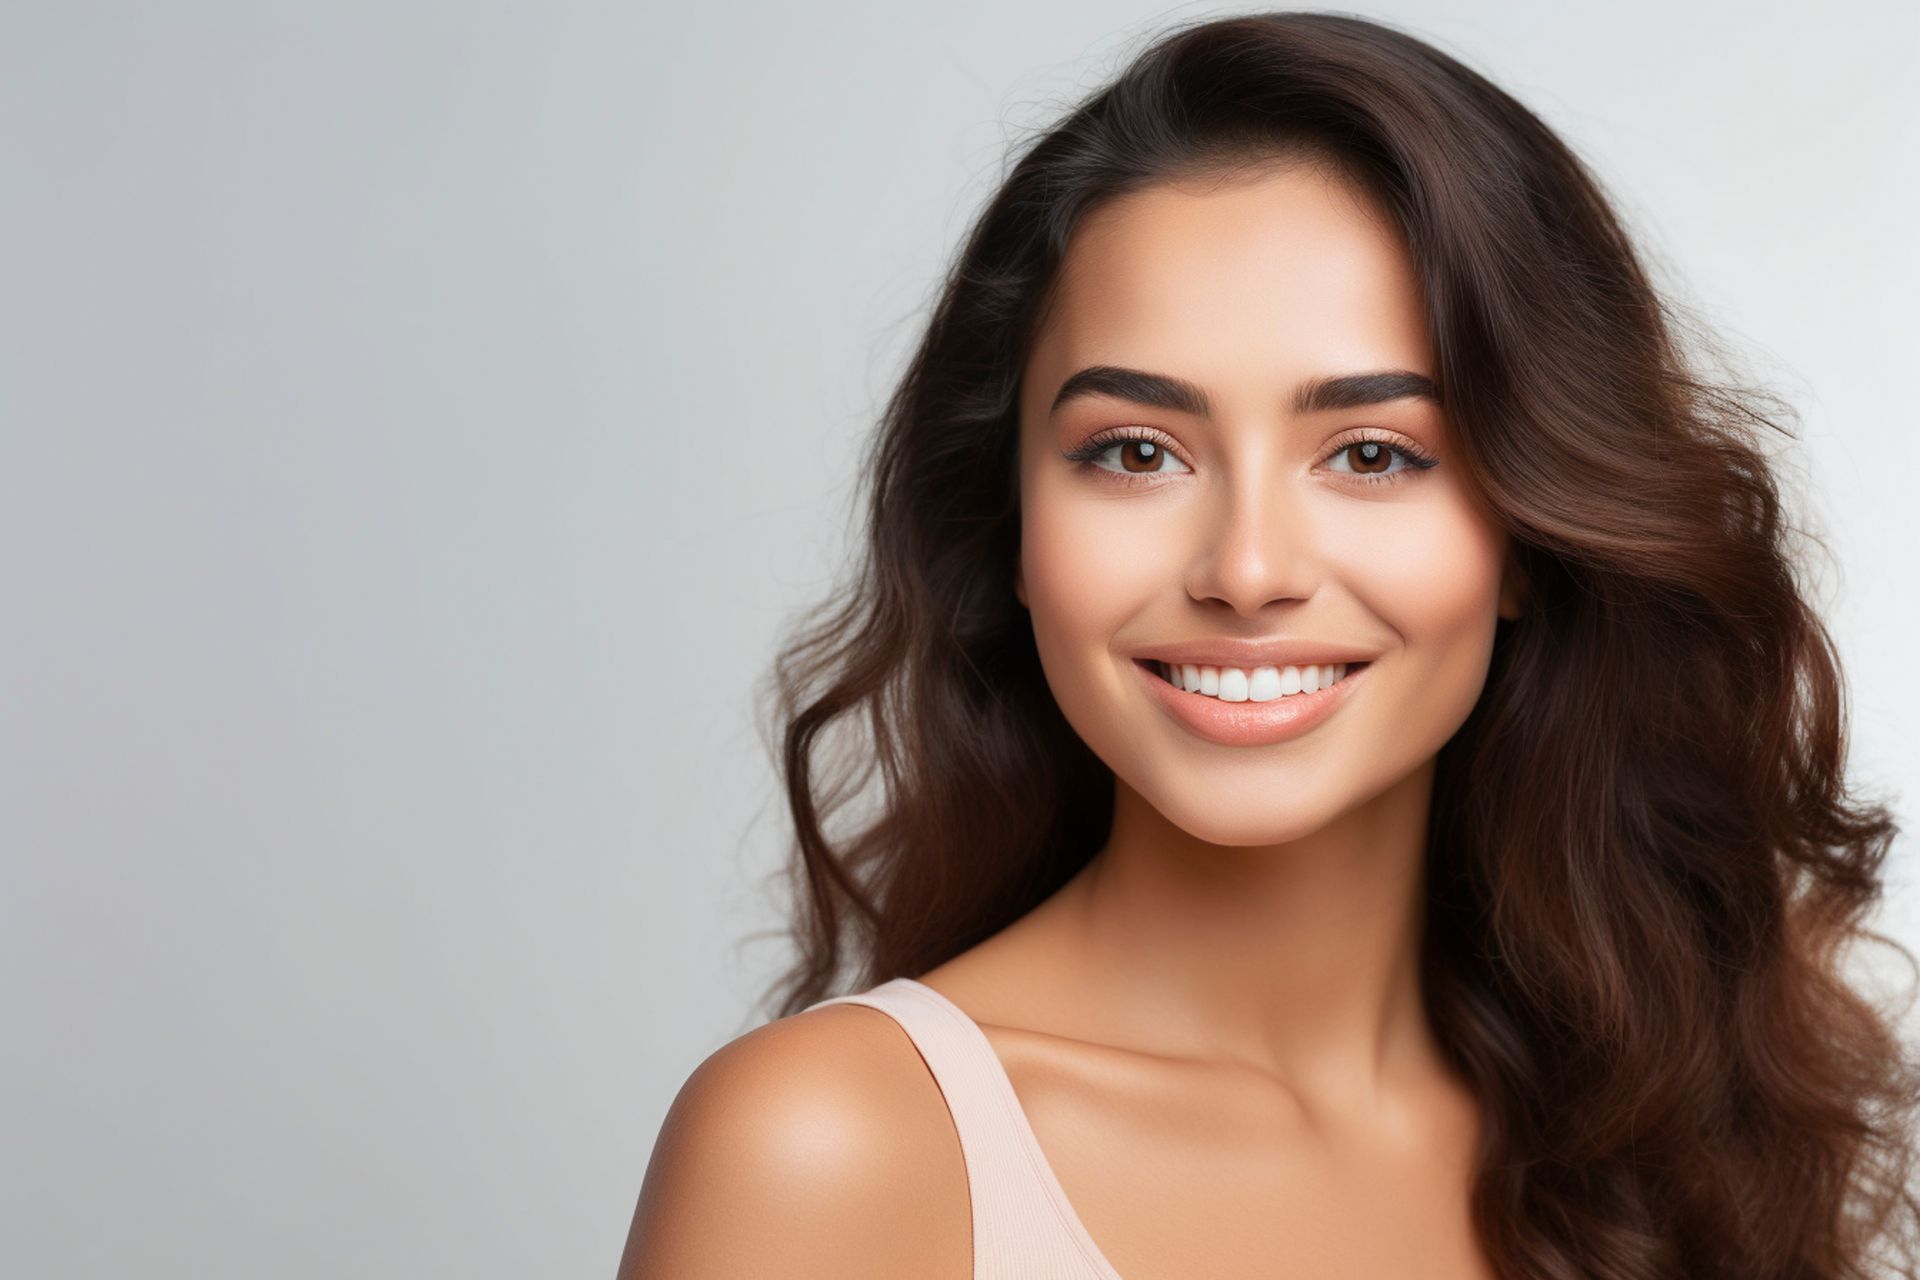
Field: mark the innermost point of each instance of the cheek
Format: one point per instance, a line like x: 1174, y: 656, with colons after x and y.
x: 1429, y: 569
x: 1431, y: 572
x: 1089, y: 565
x: 1088, y: 562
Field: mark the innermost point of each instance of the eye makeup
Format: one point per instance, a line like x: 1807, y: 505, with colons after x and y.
x: 1370, y: 443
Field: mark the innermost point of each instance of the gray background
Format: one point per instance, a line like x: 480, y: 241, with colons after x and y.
x: 416, y: 421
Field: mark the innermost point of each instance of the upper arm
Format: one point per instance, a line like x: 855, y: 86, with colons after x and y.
x: 809, y: 1147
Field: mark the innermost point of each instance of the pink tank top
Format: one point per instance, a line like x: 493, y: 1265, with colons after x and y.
x: 1023, y: 1226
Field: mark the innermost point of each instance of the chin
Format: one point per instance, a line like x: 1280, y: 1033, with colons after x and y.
x: 1216, y: 816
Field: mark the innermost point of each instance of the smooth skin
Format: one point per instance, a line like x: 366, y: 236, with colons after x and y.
x: 1216, y: 1027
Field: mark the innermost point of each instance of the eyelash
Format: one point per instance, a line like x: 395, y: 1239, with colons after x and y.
x: 1418, y: 459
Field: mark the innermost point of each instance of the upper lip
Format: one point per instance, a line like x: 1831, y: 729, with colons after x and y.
x: 1248, y: 654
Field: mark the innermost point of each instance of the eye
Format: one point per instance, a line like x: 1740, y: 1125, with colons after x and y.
x: 1144, y: 454
x: 1372, y: 457
x: 1141, y: 455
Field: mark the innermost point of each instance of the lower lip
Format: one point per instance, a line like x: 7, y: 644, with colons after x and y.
x: 1250, y: 724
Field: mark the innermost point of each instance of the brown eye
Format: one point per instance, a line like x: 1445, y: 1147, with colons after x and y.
x: 1142, y: 458
x: 1372, y: 460
x: 1369, y: 457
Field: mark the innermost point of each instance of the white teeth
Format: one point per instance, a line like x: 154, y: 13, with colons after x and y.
x: 1266, y: 684
x: 1261, y: 684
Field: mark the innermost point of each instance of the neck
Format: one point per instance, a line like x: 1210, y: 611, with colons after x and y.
x: 1300, y: 960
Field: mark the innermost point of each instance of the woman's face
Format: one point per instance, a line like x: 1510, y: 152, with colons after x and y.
x: 1246, y: 516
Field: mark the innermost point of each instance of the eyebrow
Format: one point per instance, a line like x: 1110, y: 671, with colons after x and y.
x: 1317, y: 395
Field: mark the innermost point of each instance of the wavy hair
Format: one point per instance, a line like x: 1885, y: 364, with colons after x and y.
x: 1645, y: 866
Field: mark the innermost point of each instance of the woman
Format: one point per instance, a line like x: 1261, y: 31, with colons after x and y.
x: 1361, y: 791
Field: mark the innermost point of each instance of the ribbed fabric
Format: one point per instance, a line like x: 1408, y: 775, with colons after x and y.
x: 1024, y: 1228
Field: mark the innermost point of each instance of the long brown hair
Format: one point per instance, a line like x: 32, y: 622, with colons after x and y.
x: 1646, y: 867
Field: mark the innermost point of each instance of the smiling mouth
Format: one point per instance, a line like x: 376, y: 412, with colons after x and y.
x: 1256, y: 684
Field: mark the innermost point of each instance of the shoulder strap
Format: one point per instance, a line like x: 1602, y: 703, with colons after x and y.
x: 1022, y: 1226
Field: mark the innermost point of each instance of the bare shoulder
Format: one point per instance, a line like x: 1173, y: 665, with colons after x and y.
x: 816, y: 1145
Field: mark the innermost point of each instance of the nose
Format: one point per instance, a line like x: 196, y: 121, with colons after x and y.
x: 1258, y: 548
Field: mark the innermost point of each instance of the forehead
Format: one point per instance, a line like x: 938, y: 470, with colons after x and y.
x: 1281, y: 275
